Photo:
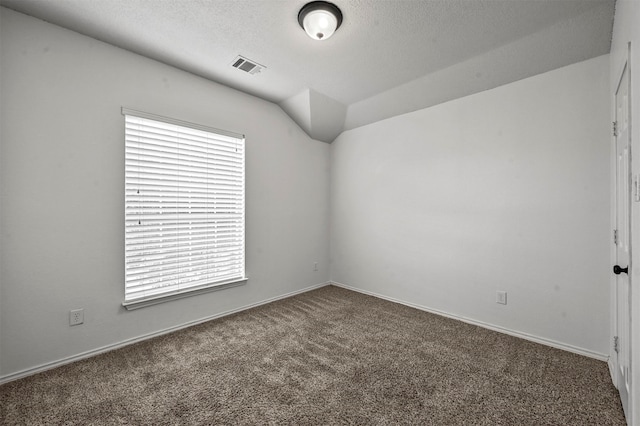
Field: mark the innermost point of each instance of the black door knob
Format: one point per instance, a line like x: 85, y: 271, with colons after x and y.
x: 618, y: 270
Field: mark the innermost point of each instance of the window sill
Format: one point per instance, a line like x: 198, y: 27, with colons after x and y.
x: 154, y: 300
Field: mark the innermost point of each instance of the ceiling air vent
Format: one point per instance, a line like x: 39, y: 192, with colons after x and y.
x: 247, y: 65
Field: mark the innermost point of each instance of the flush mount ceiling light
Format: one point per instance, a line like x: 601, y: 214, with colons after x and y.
x: 320, y: 19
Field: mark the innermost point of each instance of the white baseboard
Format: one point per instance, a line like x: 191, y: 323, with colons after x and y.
x: 50, y: 365
x: 522, y: 335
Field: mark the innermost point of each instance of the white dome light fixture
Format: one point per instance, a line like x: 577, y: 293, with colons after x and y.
x: 320, y: 19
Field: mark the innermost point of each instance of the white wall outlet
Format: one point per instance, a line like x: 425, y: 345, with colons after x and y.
x: 315, y: 266
x: 76, y: 316
x: 501, y: 297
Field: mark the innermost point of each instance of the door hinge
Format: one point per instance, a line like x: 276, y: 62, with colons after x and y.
x: 615, y: 237
x: 615, y: 128
x: 616, y: 345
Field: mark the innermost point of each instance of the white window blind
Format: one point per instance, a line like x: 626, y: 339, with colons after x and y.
x: 184, y: 207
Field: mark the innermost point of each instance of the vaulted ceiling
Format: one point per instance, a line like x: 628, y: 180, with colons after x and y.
x: 389, y: 57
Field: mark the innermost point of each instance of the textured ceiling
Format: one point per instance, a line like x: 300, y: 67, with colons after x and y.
x: 387, y: 58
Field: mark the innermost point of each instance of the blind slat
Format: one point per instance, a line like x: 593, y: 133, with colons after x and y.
x: 177, y: 268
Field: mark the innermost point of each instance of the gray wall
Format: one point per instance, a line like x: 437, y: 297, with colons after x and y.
x: 503, y: 190
x: 62, y: 180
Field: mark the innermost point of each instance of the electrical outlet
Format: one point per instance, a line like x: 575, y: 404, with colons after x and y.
x: 315, y: 266
x: 76, y: 316
x: 501, y: 297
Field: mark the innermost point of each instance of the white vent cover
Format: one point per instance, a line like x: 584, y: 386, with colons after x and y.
x: 247, y: 65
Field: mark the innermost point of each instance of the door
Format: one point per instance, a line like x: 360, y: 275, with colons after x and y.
x: 623, y: 246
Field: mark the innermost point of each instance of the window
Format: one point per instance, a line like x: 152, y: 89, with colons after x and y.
x: 184, y: 208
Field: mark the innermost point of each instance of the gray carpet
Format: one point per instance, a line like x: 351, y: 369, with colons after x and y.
x: 329, y: 356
